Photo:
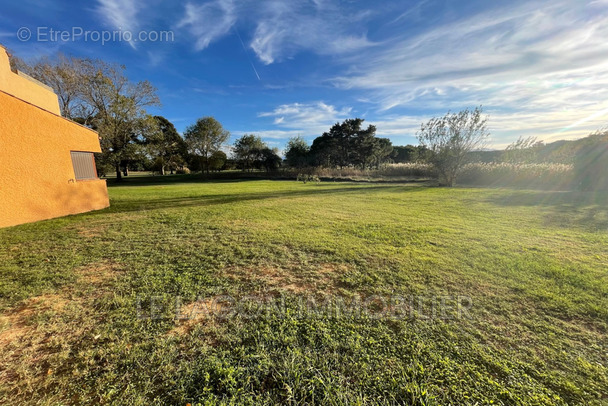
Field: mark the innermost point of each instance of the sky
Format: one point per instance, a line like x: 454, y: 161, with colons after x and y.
x: 284, y: 68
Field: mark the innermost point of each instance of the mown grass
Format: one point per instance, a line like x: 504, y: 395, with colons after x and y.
x: 534, y: 265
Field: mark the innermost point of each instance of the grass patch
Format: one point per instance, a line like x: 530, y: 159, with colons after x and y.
x: 532, y: 263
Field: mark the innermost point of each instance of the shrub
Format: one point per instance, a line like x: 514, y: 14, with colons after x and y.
x: 183, y: 171
x: 308, y: 178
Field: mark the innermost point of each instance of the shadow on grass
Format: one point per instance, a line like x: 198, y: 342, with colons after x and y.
x: 562, y: 209
x: 120, y: 206
x: 173, y: 179
x: 229, y: 177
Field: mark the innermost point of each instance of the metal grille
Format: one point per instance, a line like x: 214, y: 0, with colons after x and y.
x: 84, y: 165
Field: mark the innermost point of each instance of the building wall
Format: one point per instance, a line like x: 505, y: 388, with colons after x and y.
x: 25, y: 88
x: 37, y: 179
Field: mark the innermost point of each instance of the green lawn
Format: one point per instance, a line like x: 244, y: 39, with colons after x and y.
x: 75, y: 294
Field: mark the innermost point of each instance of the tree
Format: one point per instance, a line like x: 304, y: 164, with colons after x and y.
x: 381, y: 151
x: 297, y: 152
x: 121, y: 118
x: 345, y: 149
x: 117, y: 111
x: 324, y: 151
x: 247, y: 150
x: 204, y: 138
x: 166, y: 146
x: 409, y: 153
x: 17, y: 64
x: 65, y: 74
x: 99, y: 95
x: 370, y: 151
x: 347, y: 144
x: 451, y: 139
x: 68, y: 77
x: 217, y: 160
x: 270, y: 159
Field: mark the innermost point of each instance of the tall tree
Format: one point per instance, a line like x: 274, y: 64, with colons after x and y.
x: 451, y: 139
x: 247, y: 150
x: 120, y: 116
x: 204, y: 138
x: 324, y: 151
x: 345, y: 133
x: 269, y: 159
x: 381, y: 151
x: 65, y: 75
x: 348, y: 144
x: 370, y: 151
x: 297, y: 152
x: 166, y: 146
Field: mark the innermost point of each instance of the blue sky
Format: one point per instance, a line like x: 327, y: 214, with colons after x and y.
x: 287, y: 67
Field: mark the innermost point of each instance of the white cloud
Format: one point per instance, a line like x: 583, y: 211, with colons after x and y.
x: 209, y: 21
x: 308, y: 118
x: 120, y: 14
x: 287, y: 27
x: 282, y: 27
x: 270, y: 134
x: 538, y: 67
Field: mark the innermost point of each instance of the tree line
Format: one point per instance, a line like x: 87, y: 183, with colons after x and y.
x: 445, y: 142
x: 99, y: 95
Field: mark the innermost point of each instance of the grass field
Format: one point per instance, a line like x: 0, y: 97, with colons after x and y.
x: 76, y: 294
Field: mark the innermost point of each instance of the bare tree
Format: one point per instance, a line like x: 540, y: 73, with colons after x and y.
x: 64, y: 75
x: 450, y: 140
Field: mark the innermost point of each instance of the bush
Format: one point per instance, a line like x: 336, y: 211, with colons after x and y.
x: 307, y: 178
x: 183, y: 171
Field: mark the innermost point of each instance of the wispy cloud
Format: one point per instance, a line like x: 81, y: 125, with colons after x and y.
x: 543, y: 60
x: 308, y: 120
x: 120, y: 14
x: 282, y: 27
x: 539, y: 67
x: 287, y: 27
x: 209, y: 21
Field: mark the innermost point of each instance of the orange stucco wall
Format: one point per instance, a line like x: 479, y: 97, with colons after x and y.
x: 37, y: 179
x: 24, y: 88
